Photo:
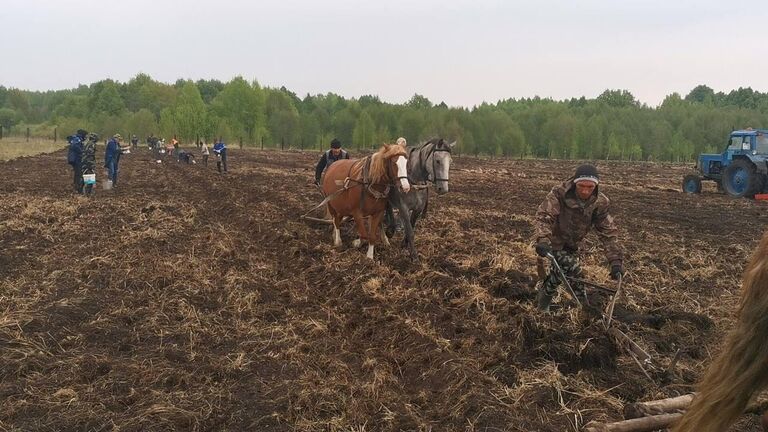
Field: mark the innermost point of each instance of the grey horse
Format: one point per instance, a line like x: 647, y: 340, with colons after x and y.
x: 428, y: 163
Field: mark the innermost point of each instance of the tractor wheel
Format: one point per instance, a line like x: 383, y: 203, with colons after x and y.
x: 740, y: 179
x: 692, y: 184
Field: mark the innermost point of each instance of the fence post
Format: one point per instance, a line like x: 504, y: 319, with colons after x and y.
x: 27, y: 134
x: 262, y: 142
x: 1, y: 132
x: 241, y: 143
x: 282, y: 143
x: 55, y: 134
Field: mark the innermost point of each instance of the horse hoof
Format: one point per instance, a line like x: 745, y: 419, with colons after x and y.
x: 356, y: 243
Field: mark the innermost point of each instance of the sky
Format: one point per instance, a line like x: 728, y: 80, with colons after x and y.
x: 456, y: 51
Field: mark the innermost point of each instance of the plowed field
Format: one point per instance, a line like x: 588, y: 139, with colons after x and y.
x: 189, y: 300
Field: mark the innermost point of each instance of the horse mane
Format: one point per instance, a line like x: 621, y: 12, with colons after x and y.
x: 740, y: 371
x: 438, y: 142
x: 378, y: 170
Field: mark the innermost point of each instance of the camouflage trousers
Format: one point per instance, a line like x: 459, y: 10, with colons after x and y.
x: 569, y: 262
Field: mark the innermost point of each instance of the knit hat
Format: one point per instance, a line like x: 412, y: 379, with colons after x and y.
x: 586, y: 172
x: 335, y: 143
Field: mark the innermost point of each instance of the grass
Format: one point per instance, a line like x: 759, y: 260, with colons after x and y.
x: 15, y: 147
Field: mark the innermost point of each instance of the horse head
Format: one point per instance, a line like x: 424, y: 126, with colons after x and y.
x: 438, y: 164
x: 389, y: 165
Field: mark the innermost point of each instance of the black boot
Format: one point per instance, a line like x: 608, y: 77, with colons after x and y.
x: 543, y: 300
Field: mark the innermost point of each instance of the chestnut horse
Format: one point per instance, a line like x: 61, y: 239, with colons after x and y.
x: 361, y: 187
x: 741, y: 369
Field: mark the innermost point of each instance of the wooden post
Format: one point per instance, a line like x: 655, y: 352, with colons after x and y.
x: 282, y: 143
x: 262, y: 142
x: 55, y: 134
x: 643, y: 424
x: 27, y: 134
x: 1, y: 132
x: 241, y: 143
x: 662, y: 406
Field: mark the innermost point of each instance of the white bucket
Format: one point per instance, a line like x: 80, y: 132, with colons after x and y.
x: 89, y: 179
x: 107, y: 185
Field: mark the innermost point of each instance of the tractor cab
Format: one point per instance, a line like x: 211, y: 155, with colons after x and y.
x: 740, y: 170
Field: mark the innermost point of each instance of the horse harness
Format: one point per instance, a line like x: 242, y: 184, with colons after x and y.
x: 365, y: 182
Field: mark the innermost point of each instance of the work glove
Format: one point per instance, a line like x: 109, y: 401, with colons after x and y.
x: 617, y: 269
x: 543, y: 249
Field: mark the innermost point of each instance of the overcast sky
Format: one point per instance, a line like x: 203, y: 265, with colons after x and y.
x: 457, y: 51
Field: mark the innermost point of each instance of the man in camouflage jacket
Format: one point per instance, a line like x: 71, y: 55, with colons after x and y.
x: 563, y: 220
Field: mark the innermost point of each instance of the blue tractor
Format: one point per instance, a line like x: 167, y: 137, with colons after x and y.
x: 739, y: 171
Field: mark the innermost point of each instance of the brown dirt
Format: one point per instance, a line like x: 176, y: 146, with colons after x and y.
x: 187, y: 300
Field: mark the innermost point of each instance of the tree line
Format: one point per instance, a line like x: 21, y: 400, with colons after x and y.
x: 614, y: 125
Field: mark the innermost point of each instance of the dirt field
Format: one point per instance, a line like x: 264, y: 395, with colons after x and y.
x: 186, y: 300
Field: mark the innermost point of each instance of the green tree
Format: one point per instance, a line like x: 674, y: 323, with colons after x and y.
x: 8, y: 118
x: 364, y: 134
x: 243, y: 108
x: 19, y: 101
x: 106, y: 99
x: 189, y: 113
x: 142, y: 124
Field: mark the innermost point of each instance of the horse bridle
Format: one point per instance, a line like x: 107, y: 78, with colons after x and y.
x: 434, y: 170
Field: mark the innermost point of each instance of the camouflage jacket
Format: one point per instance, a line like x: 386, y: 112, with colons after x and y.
x: 563, y: 220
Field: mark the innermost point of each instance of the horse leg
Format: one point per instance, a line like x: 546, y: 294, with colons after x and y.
x: 384, y: 238
x: 408, y: 235
x: 336, y: 225
x: 362, y: 231
x: 375, y: 233
x: 390, y: 216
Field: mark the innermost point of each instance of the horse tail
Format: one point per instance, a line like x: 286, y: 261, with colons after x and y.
x: 740, y: 370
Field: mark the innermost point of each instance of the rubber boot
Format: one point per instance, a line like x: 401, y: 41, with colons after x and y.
x: 542, y: 299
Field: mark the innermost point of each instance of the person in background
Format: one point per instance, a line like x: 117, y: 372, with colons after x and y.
x: 74, y: 158
x: 169, y: 147
x: 185, y: 156
x: 205, y: 153
x: 88, y: 161
x: 220, y: 149
x: 112, y: 158
x: 134, y: 142
x: 330, y: 156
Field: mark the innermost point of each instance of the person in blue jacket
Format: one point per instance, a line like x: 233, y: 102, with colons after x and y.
x: 112, y: 158
x: 74, y: 157
x: 220, y: 149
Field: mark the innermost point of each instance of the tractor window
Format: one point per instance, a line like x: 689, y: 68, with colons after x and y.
x: 735, y: 143
x: 746, y: 145
x: 762, y: 144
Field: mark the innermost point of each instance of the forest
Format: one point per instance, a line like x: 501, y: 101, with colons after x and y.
x: 612, y: 126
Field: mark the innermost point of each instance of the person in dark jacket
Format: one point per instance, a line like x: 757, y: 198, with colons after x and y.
x: 220, y: 149
x: 112, y: 158
x: 74, y: 157
x: 88, y: 161
x: 185, y: 156
x: 563, y: 220
x: 330, y: 156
